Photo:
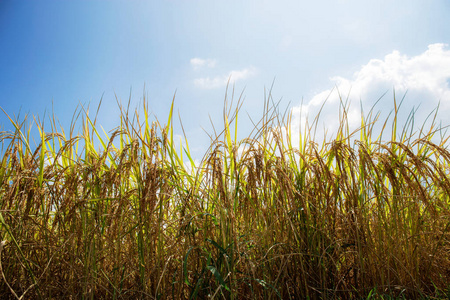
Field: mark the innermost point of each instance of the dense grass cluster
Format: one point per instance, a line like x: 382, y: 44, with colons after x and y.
x: 133, y: 216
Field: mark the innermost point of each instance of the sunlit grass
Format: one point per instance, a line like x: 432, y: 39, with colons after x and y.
x: 131, y: 214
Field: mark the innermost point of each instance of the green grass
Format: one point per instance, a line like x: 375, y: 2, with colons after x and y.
x: 130, y: 215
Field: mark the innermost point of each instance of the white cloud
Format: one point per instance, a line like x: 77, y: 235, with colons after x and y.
x: 425, y: 78
x: 197, y: 63
x: 221, y: 81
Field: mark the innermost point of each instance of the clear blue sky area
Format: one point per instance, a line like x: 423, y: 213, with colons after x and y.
x: 71, y: 52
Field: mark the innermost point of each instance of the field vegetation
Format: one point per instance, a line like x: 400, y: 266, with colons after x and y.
x: 130, y: 214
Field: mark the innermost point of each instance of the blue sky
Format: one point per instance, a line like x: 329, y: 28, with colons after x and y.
x: 71, y: 52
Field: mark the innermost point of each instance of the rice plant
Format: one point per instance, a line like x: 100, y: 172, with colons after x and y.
x: 130, y: 214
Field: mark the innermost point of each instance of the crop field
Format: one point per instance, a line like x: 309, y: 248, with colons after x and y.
x: 130, y: 214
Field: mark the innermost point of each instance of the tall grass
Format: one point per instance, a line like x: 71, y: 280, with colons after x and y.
x: 131, y: 215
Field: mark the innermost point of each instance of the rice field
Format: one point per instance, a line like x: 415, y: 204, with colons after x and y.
x: 130, y: 214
